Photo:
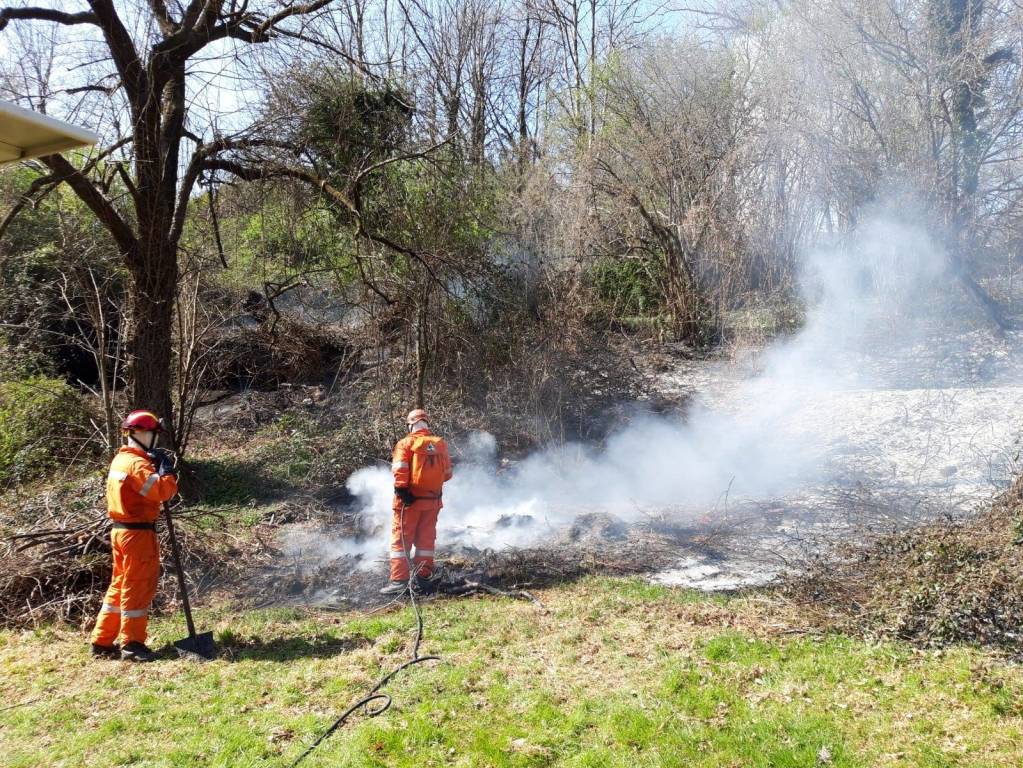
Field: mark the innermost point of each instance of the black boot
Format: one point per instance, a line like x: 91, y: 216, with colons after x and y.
x: 136, y: 651
x: 427, y: 585
x: 105, y: 651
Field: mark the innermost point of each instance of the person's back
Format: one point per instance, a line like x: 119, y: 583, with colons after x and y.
x: 429, y: 463
x: 421, y: 465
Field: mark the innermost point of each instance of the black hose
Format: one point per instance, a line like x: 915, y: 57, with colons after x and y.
x: 375, y: 694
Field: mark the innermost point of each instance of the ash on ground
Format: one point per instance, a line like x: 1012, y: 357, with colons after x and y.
x: 909, y: 436
x: 595, y: 543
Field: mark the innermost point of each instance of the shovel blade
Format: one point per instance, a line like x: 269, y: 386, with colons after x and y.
x: 200, y: 645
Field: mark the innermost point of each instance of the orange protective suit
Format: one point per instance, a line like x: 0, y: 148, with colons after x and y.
x: 421, y: 463
x: 134, y: 495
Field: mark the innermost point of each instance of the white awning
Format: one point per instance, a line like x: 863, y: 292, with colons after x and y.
x: 25, y: 134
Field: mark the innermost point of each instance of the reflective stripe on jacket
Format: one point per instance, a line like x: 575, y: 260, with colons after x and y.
x: 134, y: 490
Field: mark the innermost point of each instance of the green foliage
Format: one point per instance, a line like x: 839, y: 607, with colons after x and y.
x: 42, y: 424
x: 224, y: 483
x: 26, y: 280
x: 445, y: 205
x: 22, y: 359
x: 629, y: 287
x: 53, y: 255
x: 34, y: 226
x: 349, y: 123
x: 282, y: 237
x: 286, y: 456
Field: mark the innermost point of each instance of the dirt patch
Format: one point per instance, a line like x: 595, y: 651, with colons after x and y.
x: 935, y: 585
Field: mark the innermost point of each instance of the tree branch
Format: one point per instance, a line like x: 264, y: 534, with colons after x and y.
x: 260, y: 32
x: 398, y: 158
x: 109, y: 90
x: 92, y: 197
x: 163, y: 18
x: 46, y: 184
x: 252, y: 173
x: 46, y: 14
x: 196, y: 165
x: 122, y: 50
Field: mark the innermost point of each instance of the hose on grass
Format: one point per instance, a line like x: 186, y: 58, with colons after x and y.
x: 376, y: 694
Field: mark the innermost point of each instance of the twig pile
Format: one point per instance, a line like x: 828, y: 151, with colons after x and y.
x: 56, y: 564
x: 57, y: 570
x: 937, y: 584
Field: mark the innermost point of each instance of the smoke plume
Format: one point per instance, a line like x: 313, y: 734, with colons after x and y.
x: 873, y: 299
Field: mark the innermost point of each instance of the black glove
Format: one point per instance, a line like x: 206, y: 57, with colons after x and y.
x: 405, y: 495
x: 164, y: 461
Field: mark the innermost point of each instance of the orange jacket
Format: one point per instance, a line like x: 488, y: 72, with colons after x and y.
x: 134, y: 490
x: 421, y: 463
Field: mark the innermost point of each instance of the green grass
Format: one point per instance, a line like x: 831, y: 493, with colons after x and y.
x: 616, y: 673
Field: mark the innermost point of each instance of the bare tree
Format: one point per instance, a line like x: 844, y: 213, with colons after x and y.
x: 667, y: 170
x: 924, y: 95
x: 150, y: 48
x: 100, y: 336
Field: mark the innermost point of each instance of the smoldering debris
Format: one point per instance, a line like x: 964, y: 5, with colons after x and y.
x: 598, y: 544
x: 840, y: 431
x: 795, y: 423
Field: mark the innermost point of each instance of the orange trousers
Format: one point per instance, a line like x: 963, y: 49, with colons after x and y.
x: 417, y: 527
x: 125, y: 612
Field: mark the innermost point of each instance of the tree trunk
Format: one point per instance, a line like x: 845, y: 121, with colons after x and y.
x: 958, y: 24
x: 154, y: 277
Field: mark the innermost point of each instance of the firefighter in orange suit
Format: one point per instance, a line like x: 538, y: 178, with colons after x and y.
x: 421, y: 466
x: 141, y: 478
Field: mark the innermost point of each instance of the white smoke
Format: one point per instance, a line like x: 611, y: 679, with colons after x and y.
x: 875, y: 289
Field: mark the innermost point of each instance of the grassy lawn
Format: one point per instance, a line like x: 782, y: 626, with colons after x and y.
x: 615, y: 673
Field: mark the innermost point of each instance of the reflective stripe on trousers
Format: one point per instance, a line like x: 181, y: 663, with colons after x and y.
x: 125, y: 612
x: 417, y: 527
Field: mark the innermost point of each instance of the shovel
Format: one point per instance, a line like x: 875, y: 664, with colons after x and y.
x: 195, y: 644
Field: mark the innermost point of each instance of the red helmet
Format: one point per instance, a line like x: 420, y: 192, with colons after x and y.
x: 145, y: 420
x: 417, y: 415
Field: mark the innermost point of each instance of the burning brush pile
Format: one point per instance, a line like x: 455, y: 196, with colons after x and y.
x: 934, y: 585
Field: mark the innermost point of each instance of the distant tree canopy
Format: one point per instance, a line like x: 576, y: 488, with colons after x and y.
x: 458, y: 168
